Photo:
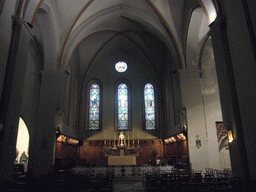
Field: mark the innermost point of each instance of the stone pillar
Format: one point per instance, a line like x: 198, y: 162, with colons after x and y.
x: 228, y: 97
x: 42, y: 149
x: 12, y: 96
x: 234, y: 47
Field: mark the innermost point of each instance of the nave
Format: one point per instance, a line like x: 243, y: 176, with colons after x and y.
x: 130, y: 179
x: 189, y: 70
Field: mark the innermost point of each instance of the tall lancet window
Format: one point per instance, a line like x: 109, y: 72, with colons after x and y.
x: 94, y: 107
x: 122, y: 107
x: 149, y: 106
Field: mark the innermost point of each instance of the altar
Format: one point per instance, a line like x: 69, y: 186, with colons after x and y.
x: 123, y: 153
x: 122, y: 159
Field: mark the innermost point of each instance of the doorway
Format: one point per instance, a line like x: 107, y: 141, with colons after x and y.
x: 22, y: 146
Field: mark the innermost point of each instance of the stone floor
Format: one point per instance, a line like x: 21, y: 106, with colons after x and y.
x: 129, y: 185
x: 126, y: 185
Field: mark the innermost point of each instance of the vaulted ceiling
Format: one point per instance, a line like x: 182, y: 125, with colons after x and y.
x: 85, y: 29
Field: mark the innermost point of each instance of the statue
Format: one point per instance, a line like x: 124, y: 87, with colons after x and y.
x: 121, y: 140
x: 24, y: 158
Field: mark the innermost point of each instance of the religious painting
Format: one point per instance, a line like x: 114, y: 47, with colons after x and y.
x: 221, y: 131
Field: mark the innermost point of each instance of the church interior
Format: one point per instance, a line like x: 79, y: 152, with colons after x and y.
x: 136, y: 90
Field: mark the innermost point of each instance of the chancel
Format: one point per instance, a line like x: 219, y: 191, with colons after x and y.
x: 114, y: 91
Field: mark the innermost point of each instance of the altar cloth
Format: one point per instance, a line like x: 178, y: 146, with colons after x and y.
x: 121, y: 160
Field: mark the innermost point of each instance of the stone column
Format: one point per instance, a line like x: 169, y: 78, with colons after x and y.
x: 12, y: 95
x: 42, y: 149
x: 234, y: 47
x: 228, y: 97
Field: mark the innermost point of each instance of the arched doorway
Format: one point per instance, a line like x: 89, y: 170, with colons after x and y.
x: 22, y: 145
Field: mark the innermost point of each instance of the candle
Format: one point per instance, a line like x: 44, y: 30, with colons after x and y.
x: 133, y: 132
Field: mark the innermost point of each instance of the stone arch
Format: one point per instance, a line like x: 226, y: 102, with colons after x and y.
x: 44, y: 19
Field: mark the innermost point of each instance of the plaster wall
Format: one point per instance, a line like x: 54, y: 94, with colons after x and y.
x: 212, y: 114
x: 202, y: 113
x: 211, y: 103
x: 192, y: 101
x: 224, y: 159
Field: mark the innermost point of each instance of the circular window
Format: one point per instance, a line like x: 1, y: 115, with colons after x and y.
x: 121, y: 66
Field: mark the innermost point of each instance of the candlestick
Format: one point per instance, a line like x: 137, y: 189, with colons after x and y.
x: 133, y: 133
x: 114, y: 143
x: 106, y: 135
x: 114, y: 148
x: 128, y: 147
x: 137, y: 134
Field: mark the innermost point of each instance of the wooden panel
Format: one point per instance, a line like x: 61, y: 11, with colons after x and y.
x: 150, y: 150
x: 90, y: 153
x: 177, y: 153
x: 64, y: 150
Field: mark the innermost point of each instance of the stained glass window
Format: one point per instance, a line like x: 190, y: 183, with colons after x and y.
x: 94, y: 107
x: 121, y: 66
x: 122, y: 106
x: 149, y: 106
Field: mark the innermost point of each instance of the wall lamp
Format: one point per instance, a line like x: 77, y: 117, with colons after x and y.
x: 58, y: 132
x: 230, y: 136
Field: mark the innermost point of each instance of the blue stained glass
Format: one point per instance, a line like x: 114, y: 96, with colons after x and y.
x: 94, y: 107
x: 149, y: 106
x: 122, y: 106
